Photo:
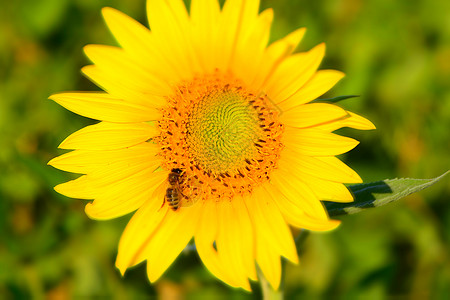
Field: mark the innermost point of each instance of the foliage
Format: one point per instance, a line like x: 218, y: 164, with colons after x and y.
x: 379, y: 193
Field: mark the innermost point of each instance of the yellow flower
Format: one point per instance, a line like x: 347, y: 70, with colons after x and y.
x: 204, y: 99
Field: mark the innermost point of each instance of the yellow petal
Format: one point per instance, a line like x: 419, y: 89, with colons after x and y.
x: 269, y: 262
x: 130, y: 34
x: 318, y: 85
x: 353, y: 121
x: 325, y: 167
x: 250, y: 52
x: 109, y: 136
x: 112, y: 176
x: 87, y: 161
x: 139, y: 231
x: 275, y: 54
x: 237, y: 18
x: 205, y: 237
x: 170, y: 24
x: 298, y: 192
x: 295, y: 215
x: 340, y: 169
x: 79, y: 188
x: 112, y: 83
x: 245, y: 226
x: 327, y: 190
x: 125, y: 196
x: 270, y: 224
x: 120, y: 67
x: 314, y: 142
x: 174, y: 233
x: 104, y: 107
x: 140, y: 44
x: 322, y: 189
x: 309, y: 115
x: 173, y: 10
x: 232, y: 231
x: 293, y: 73
x: 204, y: 18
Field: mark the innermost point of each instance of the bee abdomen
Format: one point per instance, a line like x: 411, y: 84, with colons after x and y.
x: 172, y: 198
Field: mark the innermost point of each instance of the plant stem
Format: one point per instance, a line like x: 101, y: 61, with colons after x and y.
x: 300, y: 239
x: 268, y: 292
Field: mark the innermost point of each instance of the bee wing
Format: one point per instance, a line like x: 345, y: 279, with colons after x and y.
x: 186, y: 201
x: 189, y: 199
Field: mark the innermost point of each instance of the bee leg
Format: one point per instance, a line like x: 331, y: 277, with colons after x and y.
x: 164, y: 202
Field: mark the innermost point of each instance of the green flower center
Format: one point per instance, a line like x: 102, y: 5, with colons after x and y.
x: 225, y: 138
x: 222, y: 130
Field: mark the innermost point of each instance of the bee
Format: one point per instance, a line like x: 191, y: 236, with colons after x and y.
x: 173, y: 193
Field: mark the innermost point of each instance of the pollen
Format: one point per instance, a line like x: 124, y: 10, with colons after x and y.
x: 225, y: 138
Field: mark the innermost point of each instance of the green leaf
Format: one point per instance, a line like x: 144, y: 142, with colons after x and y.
x: 335, y: 99
x: 379, y: 193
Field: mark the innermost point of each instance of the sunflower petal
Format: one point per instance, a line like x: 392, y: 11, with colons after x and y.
x: 205, y: 238
x: 169, y: 21
x: 205, y: 16
x: 233, y: 253
x: 269, y: 262
x: 237, y: 18
x: 293, y: 73
x: 251, y: 51
x: 318, y: 85
x: 130, y: 34
x: 115, y: 175
x: 112, y: 83
x: 169, y: 240
x: 138, y: 41
x: 295, y: 215
x: 115, y: 60
x: 329, y: 191
x: 314, y: 142
x: 246, y: 236
x: 322, y: 189
x: 125, y: 196
x: 274, y: 55
x: 87, y: 161
x: 109, y: 136
x: 139, y: 231
x: 271, y: 225
x: 104, y: 107
x: 299, y: 193
x: 324, y: 167
x: 80, y: 188
x: 310, y: 115
x: 353, y: 121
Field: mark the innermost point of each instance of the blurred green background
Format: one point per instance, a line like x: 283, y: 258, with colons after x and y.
x: 396, y: 55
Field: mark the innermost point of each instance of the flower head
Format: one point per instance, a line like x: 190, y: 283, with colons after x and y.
x: 207, y: 131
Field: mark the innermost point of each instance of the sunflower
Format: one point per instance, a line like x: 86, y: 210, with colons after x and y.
x: 208, y: 132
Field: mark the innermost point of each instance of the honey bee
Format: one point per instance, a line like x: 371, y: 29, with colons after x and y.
x: 173, y: 192
x: 174, y: 196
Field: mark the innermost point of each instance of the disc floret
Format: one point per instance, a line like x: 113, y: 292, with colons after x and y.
x: 225, y: 137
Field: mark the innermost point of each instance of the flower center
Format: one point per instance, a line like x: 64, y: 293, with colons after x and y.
x: 222, y: 130
x: 224, y: 138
